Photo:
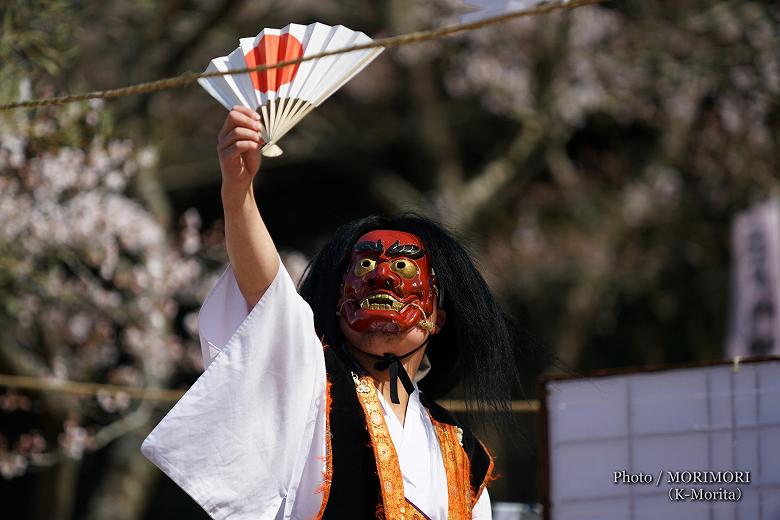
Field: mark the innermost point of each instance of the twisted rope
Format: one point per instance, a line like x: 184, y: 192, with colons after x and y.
x: 186, y: 78
x: 50, y: 384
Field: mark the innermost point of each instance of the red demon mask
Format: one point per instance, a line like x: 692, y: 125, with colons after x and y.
x: 389, y: 285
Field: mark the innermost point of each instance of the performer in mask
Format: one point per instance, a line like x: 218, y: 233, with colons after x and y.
x: 320, y: 404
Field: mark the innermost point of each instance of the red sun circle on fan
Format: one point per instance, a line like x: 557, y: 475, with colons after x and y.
x: 270, y: 50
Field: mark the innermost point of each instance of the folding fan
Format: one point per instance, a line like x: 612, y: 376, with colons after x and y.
x: 285, y: 95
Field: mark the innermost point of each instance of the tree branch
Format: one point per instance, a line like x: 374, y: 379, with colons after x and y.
x: 398, y: 195
x: 495, y: 178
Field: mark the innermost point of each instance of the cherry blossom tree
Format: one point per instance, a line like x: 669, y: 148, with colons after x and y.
x: 94, y: 289
x: 592, y: 159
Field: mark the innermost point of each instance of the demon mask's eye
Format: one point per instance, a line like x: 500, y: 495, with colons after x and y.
x: 364, y: 266
x: 403, y: 267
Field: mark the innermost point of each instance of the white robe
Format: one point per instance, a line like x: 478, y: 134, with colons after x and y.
x: 247, y: 440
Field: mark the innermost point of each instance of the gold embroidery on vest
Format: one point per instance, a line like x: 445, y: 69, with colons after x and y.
x: 458, y: 469
x: 327, y: 477
x: 489, y: 476
x: 391, y: 482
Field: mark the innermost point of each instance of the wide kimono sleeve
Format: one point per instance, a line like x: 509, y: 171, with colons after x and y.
x: 482, y: 510
x: 249, y: 436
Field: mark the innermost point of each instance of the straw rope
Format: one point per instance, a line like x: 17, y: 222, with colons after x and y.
x: 52, y: 384
x: 393, y: 41
x: 182, y: 80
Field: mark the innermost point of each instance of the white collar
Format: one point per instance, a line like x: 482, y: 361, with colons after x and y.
x: 423, y: 369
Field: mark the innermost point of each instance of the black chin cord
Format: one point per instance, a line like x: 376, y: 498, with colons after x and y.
x: 392, y: 363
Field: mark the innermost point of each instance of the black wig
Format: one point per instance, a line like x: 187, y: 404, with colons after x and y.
x: 477, y: 344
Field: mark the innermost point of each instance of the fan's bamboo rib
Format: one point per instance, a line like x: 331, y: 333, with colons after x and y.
x: 277, y: 112
x: 393, y: 41
x: 284, y: 115
x: 269, y: 116
x: 281, y: 121
x: 289, y: 113
x: 266, y: 134
x: 288, y: 104
x: 280, y: 111
x: 307, y: 108
x: 292, y: 118
x: 272, y: 114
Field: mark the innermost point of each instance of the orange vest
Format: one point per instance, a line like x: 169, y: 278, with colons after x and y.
x: 351, y: 487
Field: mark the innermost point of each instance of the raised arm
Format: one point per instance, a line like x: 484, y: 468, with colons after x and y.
x: 249, y: 245
x: 248, y: 439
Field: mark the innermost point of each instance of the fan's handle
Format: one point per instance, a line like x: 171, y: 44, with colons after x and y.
x: 271, y: 150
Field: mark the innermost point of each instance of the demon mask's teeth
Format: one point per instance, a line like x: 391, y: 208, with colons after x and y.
x: 381, y: 302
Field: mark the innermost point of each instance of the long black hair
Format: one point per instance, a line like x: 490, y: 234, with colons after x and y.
x: 477, y: 345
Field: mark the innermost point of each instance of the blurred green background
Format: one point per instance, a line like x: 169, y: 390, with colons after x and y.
x: 592, y: 160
